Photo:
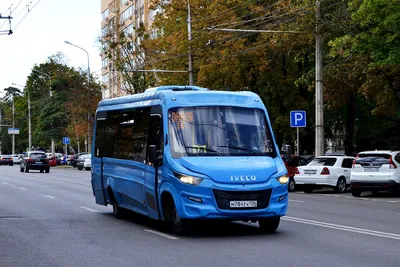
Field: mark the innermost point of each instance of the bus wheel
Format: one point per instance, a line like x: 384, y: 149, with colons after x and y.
x: 269, y: 225
x: 178, y: 225
x: 118, y: 212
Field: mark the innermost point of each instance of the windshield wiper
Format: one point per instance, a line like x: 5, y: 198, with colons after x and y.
x: 204, y: 149
x: 244, y: 149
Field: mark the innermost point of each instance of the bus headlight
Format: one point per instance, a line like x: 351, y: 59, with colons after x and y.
x: 284, y: 179
x: 187, y: 179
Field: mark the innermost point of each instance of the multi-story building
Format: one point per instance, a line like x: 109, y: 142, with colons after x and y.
x: 120, y: 16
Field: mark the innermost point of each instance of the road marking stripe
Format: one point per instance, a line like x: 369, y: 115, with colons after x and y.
x: 343, y: 227
x: 4, y: 183
x: 49, y: 196
x: 23, y: 188
x: 393, y: 201
x: 88, y: 209
x: 296, y: 201
x: 161, y: 234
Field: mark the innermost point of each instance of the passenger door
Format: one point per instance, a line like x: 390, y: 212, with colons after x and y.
x: 97, y: 159
x: 152, y: 171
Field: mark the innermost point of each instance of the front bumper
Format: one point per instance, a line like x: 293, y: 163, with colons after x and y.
x: 210, y: 200
x: 386, y: 185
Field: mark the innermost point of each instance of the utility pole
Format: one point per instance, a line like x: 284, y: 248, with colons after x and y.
x: 1, y: 131
x: 319, y: 104
x: 29, y: 116
x: 13, y: 125
x: 190, y: 46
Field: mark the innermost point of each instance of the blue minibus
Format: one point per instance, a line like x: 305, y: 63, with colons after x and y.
x: 185, y: 153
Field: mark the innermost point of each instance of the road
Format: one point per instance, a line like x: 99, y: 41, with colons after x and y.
x: 52, y: 220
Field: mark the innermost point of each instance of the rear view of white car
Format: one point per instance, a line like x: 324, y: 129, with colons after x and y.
x: 375, y: 171
x: 327, y: 171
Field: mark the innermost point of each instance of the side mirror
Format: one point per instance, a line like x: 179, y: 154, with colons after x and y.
x: 154, y: 155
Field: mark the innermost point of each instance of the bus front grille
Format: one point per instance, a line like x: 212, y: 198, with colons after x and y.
x: 224, y: 198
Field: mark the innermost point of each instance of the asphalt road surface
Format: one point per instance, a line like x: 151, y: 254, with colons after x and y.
x: 52, y: 220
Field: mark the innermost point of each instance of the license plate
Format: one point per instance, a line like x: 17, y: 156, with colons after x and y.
x: 371, y: 169
x: 38, y: 162
x: 310, y: 172
x: 243, y: 204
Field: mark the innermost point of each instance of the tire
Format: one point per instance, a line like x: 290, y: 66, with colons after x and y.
x: 21, y: 169
x: 26, y: 169
x: 119, y: 213
x: 12, y: 164
x: 88, y: 169
x: 80, y: 168
x: 341, y: 185
x: 356, y: 193
x: 179, y: 226
x: 41, y: 170
x: 269, y: 225
x: 308, y: 190
x: 47, y: 170
x: 292, y: 185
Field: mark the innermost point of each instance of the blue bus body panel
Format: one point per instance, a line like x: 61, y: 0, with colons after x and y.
x: 134, y: 183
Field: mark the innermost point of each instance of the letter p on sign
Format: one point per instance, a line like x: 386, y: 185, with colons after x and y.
x: 298, y: 118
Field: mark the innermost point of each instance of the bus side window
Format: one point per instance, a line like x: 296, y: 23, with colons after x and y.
x: 156, y: 133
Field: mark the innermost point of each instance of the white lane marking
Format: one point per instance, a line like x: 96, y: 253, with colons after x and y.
x: 23, y: 188
x: 393, y: 201
x: 296, y: 201
x: 343, y: 227
x: 161, y: 234
x: 49, y: 196
x: 88, y: 209
x: 4, y: 183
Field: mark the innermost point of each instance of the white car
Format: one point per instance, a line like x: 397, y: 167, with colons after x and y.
x: 375, y: 171
x: 16, y: 159
x: 87, y: 164
x: 325, y: 171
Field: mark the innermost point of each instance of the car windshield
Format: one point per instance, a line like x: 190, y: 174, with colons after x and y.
x: 222, y: 131
x: 322, y: 162
x: 38, y: 156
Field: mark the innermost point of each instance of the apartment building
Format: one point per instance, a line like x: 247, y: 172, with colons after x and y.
x: 120, y: 16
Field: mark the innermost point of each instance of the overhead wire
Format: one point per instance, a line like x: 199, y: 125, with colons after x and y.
x: 29, y: 11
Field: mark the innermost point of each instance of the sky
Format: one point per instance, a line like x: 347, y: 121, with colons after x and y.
x: 42, y: 33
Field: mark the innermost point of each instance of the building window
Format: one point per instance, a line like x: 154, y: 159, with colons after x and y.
x: 104, y: 62
x: 104, y: 31
x: 104, y: 15
x: 128, y: 31
x: 127, y: 14
x: 105, y: 78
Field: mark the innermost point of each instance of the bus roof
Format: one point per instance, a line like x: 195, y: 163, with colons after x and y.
x: 188, y: 96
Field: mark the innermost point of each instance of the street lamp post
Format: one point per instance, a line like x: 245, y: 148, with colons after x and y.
x: 29, y: 117
x: 88, y: 85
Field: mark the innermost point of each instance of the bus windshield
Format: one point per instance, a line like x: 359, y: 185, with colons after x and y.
x: 219, y: 131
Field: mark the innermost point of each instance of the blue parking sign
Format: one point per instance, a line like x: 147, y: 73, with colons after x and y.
x: 298, y: 118
x: 66, y: 140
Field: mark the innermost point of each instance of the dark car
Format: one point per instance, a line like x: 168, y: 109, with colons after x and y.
x: 75, y: 158
x: 35, y: 160
x: 6, y: 160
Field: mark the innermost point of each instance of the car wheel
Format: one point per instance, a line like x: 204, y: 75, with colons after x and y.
x: 292, y: 184
x: 80, y: 168
x: 269, y: 225
x: 356, y: 193
x: 26, y: 169
x: 341, y: 185
x: 12, y: 164
x: 41, y: 170
x: 21, y: 169
x: 179, y: 226
x: 47, y: 170
x: 88, y: 169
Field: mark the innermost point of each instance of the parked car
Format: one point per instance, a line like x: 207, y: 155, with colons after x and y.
x: 74, y: 159
x: 6, y: 160
x: 291, y: 165
x: 87, y: 164
x: 325, y: 171
x: 80, y: 161
x: 375, y: 171
x: 35, y: 160
x: 53, y: 161
x: 16, y: 159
